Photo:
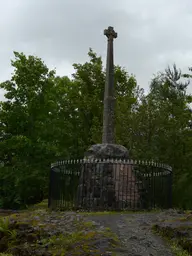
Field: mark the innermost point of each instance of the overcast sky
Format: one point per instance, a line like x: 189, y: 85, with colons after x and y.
x: 151, y: 33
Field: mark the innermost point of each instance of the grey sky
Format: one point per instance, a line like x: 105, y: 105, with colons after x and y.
x: 151, y: 33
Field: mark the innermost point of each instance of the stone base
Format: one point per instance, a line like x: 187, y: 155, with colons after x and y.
x: 107, y: 151
x: 101, y: 183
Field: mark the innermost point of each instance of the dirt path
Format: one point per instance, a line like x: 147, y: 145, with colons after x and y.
x: 134, y: 232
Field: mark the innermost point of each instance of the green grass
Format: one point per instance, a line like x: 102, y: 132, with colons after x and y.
x: 175, y: 248
x: 79, y: 242
x: 42, y: 205
x: 118, y: 212
x: 5, y: 254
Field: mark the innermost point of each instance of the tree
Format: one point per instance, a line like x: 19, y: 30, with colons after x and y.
x: 24, y: 118
x: 163, y: 121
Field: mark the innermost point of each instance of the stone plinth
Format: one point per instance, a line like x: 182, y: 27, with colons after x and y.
x: 106, y: 184
x: 107, y: 151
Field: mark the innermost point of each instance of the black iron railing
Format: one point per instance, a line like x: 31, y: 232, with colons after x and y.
x: 110, y: 185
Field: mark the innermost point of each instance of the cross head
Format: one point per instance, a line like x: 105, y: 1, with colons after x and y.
x: 110, y: 33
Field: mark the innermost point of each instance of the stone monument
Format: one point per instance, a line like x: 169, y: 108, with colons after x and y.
x: 100, y: 182
x: 108, y: 148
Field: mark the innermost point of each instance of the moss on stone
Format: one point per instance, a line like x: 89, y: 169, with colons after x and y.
x: 179, y: 238
x: 29, y: 233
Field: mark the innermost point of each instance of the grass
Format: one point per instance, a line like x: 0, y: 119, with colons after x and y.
x: 188, y: 217
x: 176, y: 249
x: 43, y: 205
x: 5, y: 254
x: 97, y: 213
x: 78, y: 242
x: 82, y: 241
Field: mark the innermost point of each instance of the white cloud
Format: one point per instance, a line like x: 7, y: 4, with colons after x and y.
x: 151, y: 33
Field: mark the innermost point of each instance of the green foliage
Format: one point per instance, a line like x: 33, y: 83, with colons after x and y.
x: 4, y: 224
x: 46, y: 118
x: 25, y: 150
x: 5, y: 254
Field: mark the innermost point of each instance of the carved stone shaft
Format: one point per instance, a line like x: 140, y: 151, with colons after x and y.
x: 109, y: 101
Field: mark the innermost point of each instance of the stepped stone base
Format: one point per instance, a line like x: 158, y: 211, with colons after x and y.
x: 105, y: 185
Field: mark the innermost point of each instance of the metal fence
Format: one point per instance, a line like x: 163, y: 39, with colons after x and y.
x: 110, y: 185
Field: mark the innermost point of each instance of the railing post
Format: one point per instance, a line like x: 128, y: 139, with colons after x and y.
x: 170, y: 190
x: 153, y: 189
x: 50, y: 188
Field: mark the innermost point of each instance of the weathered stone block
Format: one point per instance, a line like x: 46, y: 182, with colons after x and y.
x: 107, y: 151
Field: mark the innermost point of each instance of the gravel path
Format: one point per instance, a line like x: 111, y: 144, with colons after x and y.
x: 134, y: 232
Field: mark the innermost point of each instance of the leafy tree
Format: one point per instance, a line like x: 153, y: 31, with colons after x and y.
x: 163, y: 130
x: 25, y: 149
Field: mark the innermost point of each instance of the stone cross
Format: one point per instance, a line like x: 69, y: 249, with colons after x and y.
x: 109, y: 101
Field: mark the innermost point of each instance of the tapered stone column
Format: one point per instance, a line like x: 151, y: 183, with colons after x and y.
x: 109, y: 101
x: 108, y: 148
